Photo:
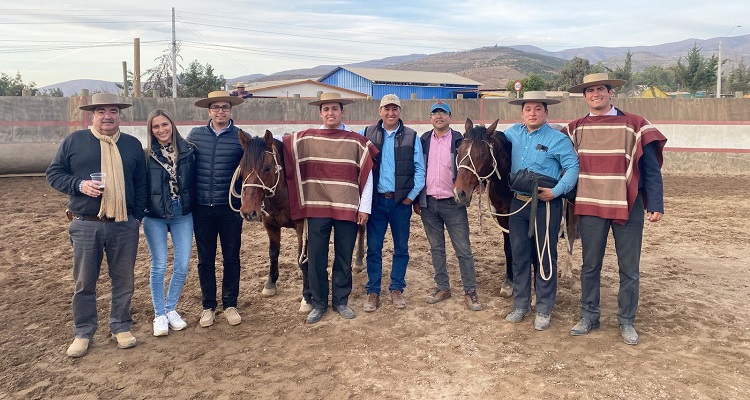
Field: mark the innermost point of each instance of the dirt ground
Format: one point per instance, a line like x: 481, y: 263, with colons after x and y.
x: 693, y: 321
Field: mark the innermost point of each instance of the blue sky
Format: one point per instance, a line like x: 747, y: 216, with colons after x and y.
x: 57, y: 41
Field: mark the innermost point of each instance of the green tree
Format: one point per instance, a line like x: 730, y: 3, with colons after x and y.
x: 198, y: 80
x: 130, y: 79
x: 572, y: 73
x: 624, y: 72
x: 56, y: 92
x: 656, y: 76
x: 14, y: 86
x: 160, y: 76
x: 739, y: 78
x: 530, y: 83
x: 697, y: 73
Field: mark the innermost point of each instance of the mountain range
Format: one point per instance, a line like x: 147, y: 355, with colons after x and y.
x: 494, y: 66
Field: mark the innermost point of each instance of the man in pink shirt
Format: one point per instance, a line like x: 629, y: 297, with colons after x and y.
x: 440, y: 212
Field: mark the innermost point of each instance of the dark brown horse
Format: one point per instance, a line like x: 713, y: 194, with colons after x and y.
x: 484, y: 156
x: 265, y: 197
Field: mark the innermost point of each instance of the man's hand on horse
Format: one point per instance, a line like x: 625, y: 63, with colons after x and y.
x: 654, y: 216
x: 362, y: 218
x: 545, y: 194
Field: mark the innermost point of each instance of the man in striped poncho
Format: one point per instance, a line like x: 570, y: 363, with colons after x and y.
x: 329, y: 175
x: 620, y: 175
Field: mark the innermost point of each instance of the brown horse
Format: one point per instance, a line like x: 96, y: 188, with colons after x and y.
x: 265, y: 197
x: 484, y: 156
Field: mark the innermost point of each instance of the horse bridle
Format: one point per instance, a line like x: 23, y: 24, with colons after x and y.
x: 472, y: 167
x: 271, y: 190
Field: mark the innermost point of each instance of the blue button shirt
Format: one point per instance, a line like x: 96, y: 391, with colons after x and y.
x: 545, y: 151
x: 387, y: 181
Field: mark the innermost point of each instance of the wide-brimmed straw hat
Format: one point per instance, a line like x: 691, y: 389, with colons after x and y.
x: 331, y: 97
x: 240, y: 84
x: 218, y: 95
x: 104, y: 99
x: 601, y: 78
x: 537, y: 97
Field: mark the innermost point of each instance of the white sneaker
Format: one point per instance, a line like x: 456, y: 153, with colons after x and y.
x: 175, y: 321
x: 233, y: 317
x: 207, y: 318
x: 161, y: 326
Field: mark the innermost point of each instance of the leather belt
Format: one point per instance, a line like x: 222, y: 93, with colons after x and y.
x: 388, y: 195
x: 84, y: 217
x: 522, y: 197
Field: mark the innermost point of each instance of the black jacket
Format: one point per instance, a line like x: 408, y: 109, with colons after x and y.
x: 159, y: 204
x: 216, y: 159
x: 403, y: 153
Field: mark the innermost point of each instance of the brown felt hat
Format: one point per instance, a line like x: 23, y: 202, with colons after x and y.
x: 104, y: 99
x: 218, y: 95
x: 601, y: 78
x: 331, y: 97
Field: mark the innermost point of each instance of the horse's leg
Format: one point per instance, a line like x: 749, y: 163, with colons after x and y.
x: 274, y: 244
x: 305, y: 306
x: 506, y: 290
x: 359, y: 265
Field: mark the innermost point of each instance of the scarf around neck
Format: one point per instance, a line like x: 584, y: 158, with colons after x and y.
x: 113, y: 198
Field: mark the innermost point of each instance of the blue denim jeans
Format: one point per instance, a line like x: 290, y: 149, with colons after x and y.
x: 628, y: 242
x: 441, y: 215
x: 156, y: 231
x: 386, y: 212
x: 91, y: 240
x: 525, y: 250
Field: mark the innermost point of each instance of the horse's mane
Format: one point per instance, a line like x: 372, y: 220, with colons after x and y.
x: 476, y: 133
x: 257, y: 146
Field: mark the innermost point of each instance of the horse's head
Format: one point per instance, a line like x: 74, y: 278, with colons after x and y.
x: 261, y: 171
x: 475, y: 160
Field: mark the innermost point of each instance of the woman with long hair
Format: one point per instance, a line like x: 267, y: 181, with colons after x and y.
x: 170, y: 177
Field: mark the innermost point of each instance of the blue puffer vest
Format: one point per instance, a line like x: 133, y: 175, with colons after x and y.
x: 216, y: 158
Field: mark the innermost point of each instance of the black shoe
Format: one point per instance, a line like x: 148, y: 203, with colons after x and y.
x: 315, y: 315
x: 584, y: 326
x: 344, y: 310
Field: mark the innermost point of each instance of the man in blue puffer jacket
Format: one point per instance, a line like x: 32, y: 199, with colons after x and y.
x: 217, y: 154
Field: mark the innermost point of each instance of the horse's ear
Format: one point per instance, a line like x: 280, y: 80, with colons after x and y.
x: 269, y: 138
x: 492, y: 127
x: 244, y: 138
x: 468, y: 125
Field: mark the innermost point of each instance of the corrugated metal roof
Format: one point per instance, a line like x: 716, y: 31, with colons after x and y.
x: 291, y: 82
x: 414, y: 77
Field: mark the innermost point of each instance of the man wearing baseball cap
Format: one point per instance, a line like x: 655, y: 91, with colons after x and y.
x: 398, y: 179
x: 103, y: 221
x: 621, y: 156
x: 217, y: 154
x: 439, y: 212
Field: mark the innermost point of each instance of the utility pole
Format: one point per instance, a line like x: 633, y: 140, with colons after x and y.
x: 125, y: 78
x: 718, y: 68
x: 174, y: 59
x: 137, y: 67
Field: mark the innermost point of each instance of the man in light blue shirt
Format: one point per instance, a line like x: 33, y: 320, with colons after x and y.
x: 543, y: 150
x: 399, y: 176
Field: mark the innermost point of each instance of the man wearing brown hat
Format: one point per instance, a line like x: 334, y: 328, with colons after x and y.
x: 106, y: 216
x: 398, y: 178
x: 545, y: 153
x: 217, y: 154
x: 328, y: 172
x: 240, y: 91
x: 620, y: 157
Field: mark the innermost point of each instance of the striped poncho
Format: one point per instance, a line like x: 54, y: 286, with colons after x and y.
x: 326, y: 170
x: 609, y: 148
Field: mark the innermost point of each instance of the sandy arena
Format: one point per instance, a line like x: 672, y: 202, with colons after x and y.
x: 693, y: 321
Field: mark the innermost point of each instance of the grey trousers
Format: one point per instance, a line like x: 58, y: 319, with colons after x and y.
x: 90, y: 241
x: 628, y: 241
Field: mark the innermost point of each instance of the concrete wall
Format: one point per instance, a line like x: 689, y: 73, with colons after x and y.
x: 705, y: 135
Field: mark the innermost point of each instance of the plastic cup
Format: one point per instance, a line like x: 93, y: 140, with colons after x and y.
x: 99, y: 177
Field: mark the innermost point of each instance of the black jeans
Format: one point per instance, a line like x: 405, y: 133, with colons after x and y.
x: 208, y: 223
x: 319, y: 237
